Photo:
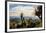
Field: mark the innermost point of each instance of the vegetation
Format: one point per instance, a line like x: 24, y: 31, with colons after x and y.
x: 24, y: 23
x: 39, y: 12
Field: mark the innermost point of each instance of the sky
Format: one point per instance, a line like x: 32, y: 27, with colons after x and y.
x: 17, y: 9
x: 27, y: 10
x: 12, y: 7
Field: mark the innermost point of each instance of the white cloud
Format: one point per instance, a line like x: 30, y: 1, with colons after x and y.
x: 26, y: 10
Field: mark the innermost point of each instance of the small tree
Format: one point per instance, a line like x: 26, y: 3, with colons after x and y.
x: 39, y: 12
x: 21, y: 18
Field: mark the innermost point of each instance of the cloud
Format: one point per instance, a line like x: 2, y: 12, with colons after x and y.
x: 21, y: 8
x: 12, y: 7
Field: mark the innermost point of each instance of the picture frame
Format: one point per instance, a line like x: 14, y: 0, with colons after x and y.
x: 27, y: 3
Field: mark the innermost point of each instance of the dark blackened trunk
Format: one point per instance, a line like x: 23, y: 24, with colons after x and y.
x: 39, y: 12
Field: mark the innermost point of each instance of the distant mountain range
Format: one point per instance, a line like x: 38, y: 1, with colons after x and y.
x: 18, y: 18
x: 26, y: 17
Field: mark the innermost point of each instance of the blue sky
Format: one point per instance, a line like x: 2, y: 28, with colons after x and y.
x: 12, y: 7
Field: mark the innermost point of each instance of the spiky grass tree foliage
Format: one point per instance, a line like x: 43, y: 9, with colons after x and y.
x: 38, y: 23
x: 13, y: 25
